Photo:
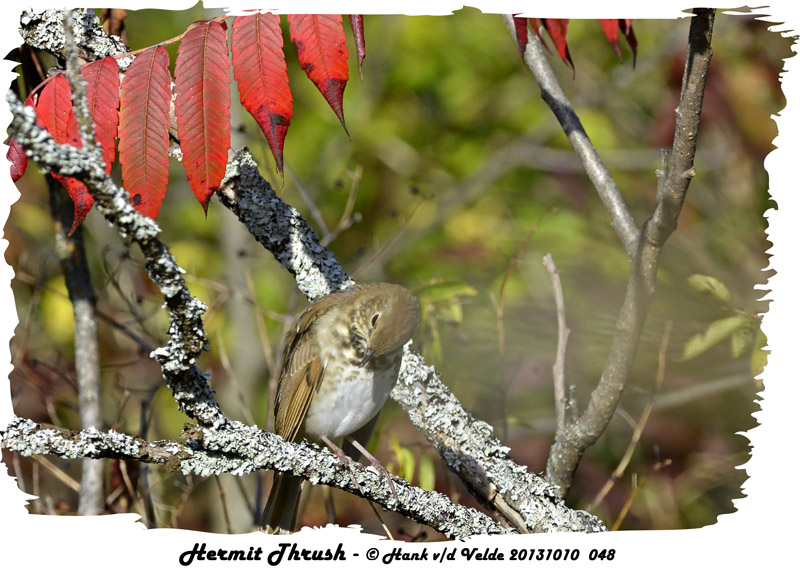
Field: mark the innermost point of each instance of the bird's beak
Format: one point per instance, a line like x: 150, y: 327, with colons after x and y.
x: 367, y: 356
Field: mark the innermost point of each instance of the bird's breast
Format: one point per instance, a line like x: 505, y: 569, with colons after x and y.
x: 349, y: 395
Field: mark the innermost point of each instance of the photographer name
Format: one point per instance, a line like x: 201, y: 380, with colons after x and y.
x: 285, y: 551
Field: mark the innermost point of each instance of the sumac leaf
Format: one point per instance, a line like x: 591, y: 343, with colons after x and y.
x: 322, y: 52
x: 521, y: 31
x: 102, y: 95
x: 202, y: 106
x: 54, y: 112
x: 626, y: 25
x: 611, y: 27
x: 18, y: 159
x: 259, y: 67
x: 357, y: 24
x: 557, y: 29
x: 144, y: 130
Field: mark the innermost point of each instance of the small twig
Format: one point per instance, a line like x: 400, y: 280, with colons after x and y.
x: 60, y: 475
x: 512, y: 265
x: 559, y: 373
x: 638, y: 429
x: 313, y: 209
x: 234, y: 379
x: 347, y: 217
x: 388, y: 245
x: 636, y: 486
x: 224, y: 503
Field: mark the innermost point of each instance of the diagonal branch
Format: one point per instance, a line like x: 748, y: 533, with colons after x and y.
x: 571, y: 443
x: 621, y: 219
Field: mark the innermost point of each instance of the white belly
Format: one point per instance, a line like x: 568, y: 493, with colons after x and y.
x: 348, y: 404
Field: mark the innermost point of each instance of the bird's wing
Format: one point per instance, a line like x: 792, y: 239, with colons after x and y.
x: 296, y: 389
x: 302, y: 371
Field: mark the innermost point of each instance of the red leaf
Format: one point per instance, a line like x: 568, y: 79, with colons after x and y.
x: 260, y: 71
x: 202, y: 106
x: 557, y: 28
x: 54, y: 111
x: 144, y: 130
x: 19, y: 160
x: 54, y: 108
x: 357, y: 23
x: 102, y: 94
x: 521, y: 30
x: 626, y: 25
x: 610, y: 28
x: 81, y: 199
x: 322, y: 52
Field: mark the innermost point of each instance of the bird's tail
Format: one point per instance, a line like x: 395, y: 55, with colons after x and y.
x: 280, y: 513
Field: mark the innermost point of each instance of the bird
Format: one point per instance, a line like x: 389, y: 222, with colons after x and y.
x: 341, y: 361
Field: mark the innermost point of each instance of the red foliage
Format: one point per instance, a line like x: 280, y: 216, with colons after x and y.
x: 611, y: 28
x: 202, y: 107
x: 557, y: 29
x: 19, y: 160
x: 102, y: 95
x: 260, y: 71
x: 322, y: 52
x: 357, y: 24
x: 54, y: 110
x: 144, y: 130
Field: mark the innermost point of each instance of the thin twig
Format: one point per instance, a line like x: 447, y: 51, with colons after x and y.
x: 638, y: 429
x: 512, y: 265
x: 559, y: 373
x: 224, y: 503
x: 60, y: 475
x: 347, y: 217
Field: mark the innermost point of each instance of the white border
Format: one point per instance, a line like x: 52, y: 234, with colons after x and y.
x: 755, y: 534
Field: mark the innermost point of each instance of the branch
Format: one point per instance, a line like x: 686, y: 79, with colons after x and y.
x: 467, y: 445
x: 571, y: 443
x: 621, y: 219
x: 559, y: 374
x: 45, y: 30
x: 239, y: 450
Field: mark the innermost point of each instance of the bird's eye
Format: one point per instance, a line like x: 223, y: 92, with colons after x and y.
x: 375, y: 319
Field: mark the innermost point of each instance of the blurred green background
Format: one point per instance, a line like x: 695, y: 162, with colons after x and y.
x: 453, y: 158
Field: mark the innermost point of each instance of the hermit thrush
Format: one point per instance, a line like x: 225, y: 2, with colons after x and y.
x: 341, y: 361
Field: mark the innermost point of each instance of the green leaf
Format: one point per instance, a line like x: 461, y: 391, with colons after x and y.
x: 742, y: 341
x: 405, y: 459
x: 717, y: 332
x: 710, y: 286
x: 427, y: 473
x: 444, y: 292
x: 759, y: 358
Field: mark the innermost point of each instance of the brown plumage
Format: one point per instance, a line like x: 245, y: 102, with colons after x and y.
x: 341, y: 360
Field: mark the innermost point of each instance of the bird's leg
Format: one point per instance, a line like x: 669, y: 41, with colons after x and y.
x: 375, y: 463
x: 344, y: 458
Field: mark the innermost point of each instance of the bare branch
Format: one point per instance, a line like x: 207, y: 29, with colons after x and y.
x: 570, y: 444
x: 621, y: 219
x: 559, y: 374
x: 238, y: 449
